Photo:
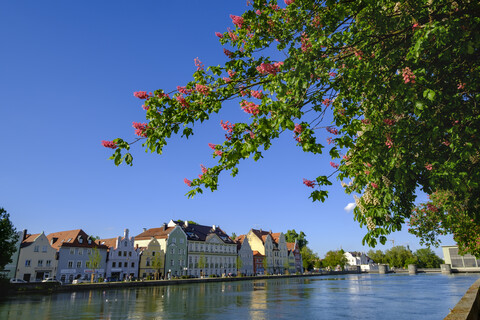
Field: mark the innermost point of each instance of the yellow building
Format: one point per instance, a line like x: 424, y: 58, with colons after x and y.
x: 152, y: 260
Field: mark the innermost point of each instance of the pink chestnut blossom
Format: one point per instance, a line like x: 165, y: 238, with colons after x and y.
x: 238, y: 21
x: 212, y: 146
x: 309, y: 183
x: 334, y: 165
x: 187, y: 182
x: 109, y: 144
x: 374, y: 185
x: 141, y: 94
x: 288, y: 2
x: 140, y: 129
x: 408, y: 75
x: 218, y: 34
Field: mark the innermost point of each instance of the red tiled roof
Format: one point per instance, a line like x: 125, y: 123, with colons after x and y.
x: 29, y: 239
x: 157, y: 233
x: 111, y: 243
x: 258, y: 254
x: 70, y: 239
x: 276, y: 237
x: 262, y: 235
x: 290, y: 246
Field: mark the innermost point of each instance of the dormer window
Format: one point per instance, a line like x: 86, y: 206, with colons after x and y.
x: 89, y: 241
x: 80, y: 240
x: 69, y: 240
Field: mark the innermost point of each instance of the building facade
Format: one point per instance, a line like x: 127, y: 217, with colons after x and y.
x: 210, y: 250
x: 280, y: 253
x: 465, y: 262
x: 262, y: 242
x: 294, y: 257
x: 37, y: 259
x: 122, y: 257
x: 245, y: 256
x: 173, y: 243
x: 77, y: 255
x: 152, y: 259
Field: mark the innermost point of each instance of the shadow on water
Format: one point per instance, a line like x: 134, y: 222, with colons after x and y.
x: 425, y: 296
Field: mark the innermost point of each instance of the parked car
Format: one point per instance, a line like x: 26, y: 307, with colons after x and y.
x: 52, y: 280
x: 15, y: 280
x: 77, y: 281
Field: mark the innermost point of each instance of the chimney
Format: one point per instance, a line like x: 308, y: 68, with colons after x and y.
x: 164, y: 226
x: 186, y: 223
x: 213, y: 227
x: 144, y: 229
x: 270, y: 231
x: 125, y: 233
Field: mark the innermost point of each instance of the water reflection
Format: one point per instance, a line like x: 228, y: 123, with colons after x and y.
x: 355, y: 296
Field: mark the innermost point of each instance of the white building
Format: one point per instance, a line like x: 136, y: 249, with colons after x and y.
x: 122, y: 257
x: 245, y: 256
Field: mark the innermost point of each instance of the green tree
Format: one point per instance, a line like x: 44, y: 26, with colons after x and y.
x: 378, y: 256
x: 233, y: 236
x: 335, y: 258
x: 8, y: 238
x: 239, y: 264
x: 308, y: 258
x: 265, y: 265
x: 157, y: 265
x: 399, y: 80
x: 426, y: 258
x: 202, y: 263
x: 94, y: 261
x: 399, y: 257
x: 292, y: 235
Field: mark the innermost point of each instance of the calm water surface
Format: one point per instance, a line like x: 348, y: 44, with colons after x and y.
x: 423, y: 296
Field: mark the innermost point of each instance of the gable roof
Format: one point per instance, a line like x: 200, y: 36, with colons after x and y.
x: 262, y: 235
x: 276, y: 237
x: 198, y: 232
x: 111, y: 243
x: 29, y: 239
x: 157, y: 233
x: 290, y: 246
x: 70, y: 238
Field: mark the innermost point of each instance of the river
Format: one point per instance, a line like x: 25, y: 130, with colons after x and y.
x: 366, y: 296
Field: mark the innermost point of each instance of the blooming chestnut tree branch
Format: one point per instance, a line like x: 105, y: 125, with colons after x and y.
x: 399, y: 79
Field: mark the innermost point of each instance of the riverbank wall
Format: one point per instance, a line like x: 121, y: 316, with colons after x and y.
x: 468, y: 308
x: 49, y: 287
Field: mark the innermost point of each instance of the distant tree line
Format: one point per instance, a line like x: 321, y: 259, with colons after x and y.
x: 401, y: 257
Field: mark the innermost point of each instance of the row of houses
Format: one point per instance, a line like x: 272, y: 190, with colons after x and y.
x: 173, y: 250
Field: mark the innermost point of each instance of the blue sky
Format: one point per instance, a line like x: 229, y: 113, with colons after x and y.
x: 68, y: 71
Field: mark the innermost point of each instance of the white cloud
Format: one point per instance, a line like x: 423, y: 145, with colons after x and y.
x: 349, y: 207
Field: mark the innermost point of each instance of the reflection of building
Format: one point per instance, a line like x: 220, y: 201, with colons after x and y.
x: 37, y: 259
x: 10, y: 268
x: 245, y: 255
x: 76, y: 251
x: 466, y: 262
x: 122, y: 258
x: 210, y: 249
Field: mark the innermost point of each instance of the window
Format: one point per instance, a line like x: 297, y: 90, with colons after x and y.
x: 87, y: 264
x: 79, y: 264
x: 182, y: 240
x: 48, y: 263
x: 114, y: 264
x: 130, y: 253
x: 133, y: 264
x: 72, y: 251
x: 119, y: 253
x: 148, y: 262
x: 124, y: 253
x: 125, y: 243
x: 89, y: 251
x: 44, y: 249
x: 153, y: 253
x: 125, y: 264
x: 40, y: 263
x: 173, y: 250
x: 35, y: 249
x: 80, y: 251
x: 174, y: 240
x: 171, y: 262
x: 27, y: 263
x: 70, y: 264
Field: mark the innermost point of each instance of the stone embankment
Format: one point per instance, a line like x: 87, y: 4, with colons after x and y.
x: 39, y: 287
x: 468, y: 308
